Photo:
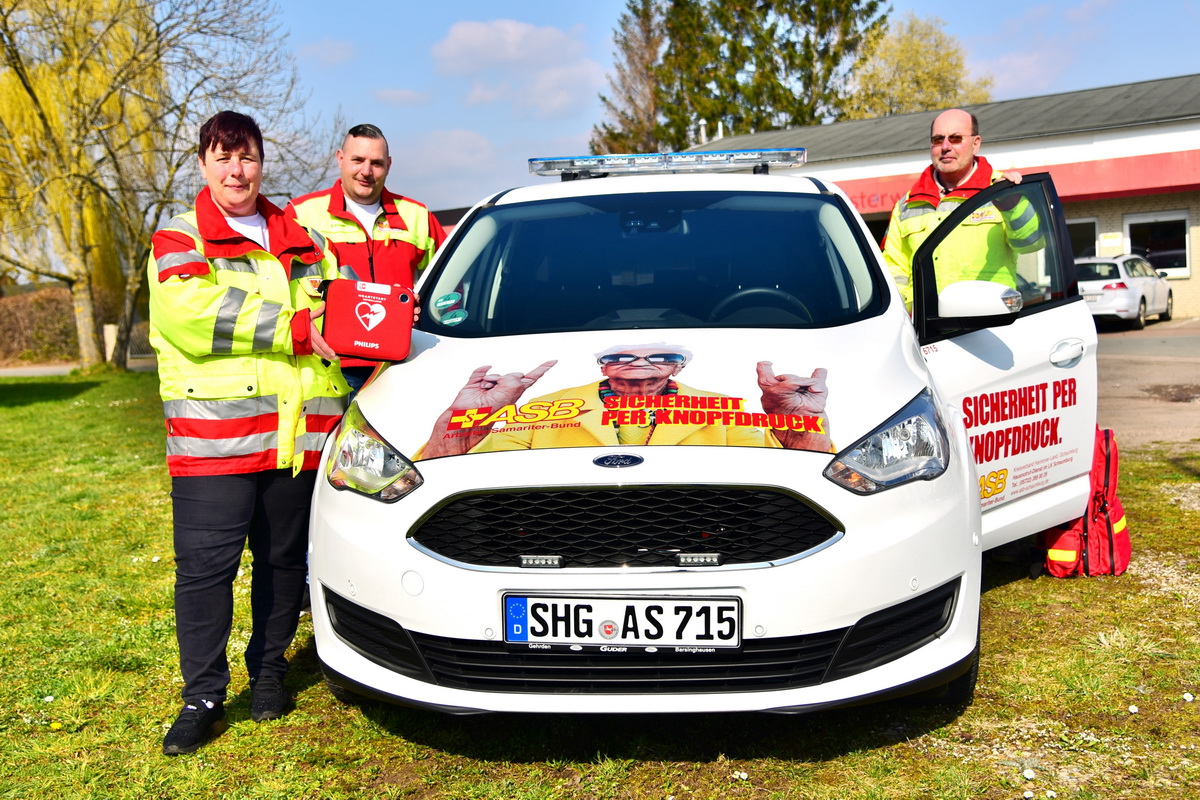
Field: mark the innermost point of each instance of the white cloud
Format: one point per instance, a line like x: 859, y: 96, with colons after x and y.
x: 328, y: 52
x: 543, y: 71
x: 402, y: 97
x: 1052, y: 41
x: 483, y: 93
x: 473, y: 47
x: 560, y: 91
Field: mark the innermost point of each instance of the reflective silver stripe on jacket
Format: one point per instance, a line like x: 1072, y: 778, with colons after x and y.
x: 176, y: 260
x: 1028, y: 241
x: 347, y: 271
x: 313, y: 440
x: 190, y: 408
x: 264, y: 329
x: 205, y: 447
x: 317, y: 237
x: 181, y: 224
x: 302, y: 270
x: 227, y: 317
x: 234, y: 264
x: 325, y: 406
x: 908, y: 212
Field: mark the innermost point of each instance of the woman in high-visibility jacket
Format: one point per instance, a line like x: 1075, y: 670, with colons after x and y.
x: 250, y: 392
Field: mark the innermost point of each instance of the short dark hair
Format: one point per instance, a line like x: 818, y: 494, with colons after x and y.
x: 230, y: 130
x: 366, y: 131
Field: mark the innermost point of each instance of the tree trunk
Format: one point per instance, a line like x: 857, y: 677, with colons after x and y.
x: 133, y: 287
x: 90, y: 352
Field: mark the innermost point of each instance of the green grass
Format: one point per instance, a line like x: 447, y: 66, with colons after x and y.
x: 90, y: 680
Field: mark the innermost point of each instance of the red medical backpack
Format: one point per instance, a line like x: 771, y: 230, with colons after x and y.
x: 1098, y: 542
x: 368, y: 320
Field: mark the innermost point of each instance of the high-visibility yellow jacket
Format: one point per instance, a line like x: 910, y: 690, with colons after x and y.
x: 984, y: 247
x: 242, y: 390
x: 400, y: 245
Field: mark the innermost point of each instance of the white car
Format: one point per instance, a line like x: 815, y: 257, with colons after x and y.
x: 670, y: 442
x: 1126, y: 287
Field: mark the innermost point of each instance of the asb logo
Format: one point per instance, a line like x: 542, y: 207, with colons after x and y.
x: 617, y: 461
x: 370, y: 314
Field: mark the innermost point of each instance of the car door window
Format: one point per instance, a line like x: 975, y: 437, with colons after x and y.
x: 1012, y: 235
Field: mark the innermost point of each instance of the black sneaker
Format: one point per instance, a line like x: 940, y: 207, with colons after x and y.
x: 268, y: 700
x: 194, y: 726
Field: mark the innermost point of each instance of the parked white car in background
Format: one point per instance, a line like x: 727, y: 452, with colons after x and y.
x: 745, y: 480
x: 1125, y: 287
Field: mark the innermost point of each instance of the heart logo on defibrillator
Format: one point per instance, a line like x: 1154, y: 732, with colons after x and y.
x: 370, y: 314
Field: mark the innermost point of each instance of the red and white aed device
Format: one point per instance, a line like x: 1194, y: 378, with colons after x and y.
x: 368, y: 320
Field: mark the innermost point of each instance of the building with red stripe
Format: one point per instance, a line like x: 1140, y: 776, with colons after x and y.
x: 1125, y: 160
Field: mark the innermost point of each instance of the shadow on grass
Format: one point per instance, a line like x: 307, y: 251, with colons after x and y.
x: 30, y: 393
x: 588, y: 738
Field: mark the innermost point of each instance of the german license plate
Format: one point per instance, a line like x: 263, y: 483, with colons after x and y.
x: 625, y: 622
x: 1091, y: 298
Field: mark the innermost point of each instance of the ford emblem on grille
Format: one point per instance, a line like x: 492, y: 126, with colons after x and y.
x: 618, y: 460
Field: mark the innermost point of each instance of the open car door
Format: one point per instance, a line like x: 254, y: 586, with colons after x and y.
x: 1012, y: 345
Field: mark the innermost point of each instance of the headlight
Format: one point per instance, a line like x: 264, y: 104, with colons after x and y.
x: 911, y: 446
x: 364, y: 462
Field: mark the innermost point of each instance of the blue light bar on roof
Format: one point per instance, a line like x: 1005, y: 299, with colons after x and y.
x: 662, y: 163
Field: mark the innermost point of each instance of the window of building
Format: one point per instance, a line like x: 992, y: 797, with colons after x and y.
x: 1162, y: 239
x: 1083, y: 236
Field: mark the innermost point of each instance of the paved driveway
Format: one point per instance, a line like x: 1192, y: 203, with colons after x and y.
x: 1150, y: 382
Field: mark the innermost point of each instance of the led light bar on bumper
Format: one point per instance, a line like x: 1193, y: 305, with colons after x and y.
x: 662, y: 163
x: 362, y: 461
x: 910, y: 446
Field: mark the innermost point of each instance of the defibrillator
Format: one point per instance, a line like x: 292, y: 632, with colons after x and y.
x: 368, y: 320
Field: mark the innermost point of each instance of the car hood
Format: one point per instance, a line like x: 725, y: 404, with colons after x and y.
x: 849, y: 379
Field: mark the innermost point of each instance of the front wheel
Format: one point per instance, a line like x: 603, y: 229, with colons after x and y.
x: 1165, y: 316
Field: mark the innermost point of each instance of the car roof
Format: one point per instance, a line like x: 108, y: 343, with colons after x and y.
x: 1104, y: 259
x: 789, y: 181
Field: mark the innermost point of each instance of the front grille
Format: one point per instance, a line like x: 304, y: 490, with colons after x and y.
x: 623, y: 527
x: 761, y: 665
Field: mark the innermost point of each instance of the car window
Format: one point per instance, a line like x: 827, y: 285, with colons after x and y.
x: 663, y: 259
x: 1008, y: 241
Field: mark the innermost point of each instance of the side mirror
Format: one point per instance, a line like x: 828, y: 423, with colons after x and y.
x: 978, y: 299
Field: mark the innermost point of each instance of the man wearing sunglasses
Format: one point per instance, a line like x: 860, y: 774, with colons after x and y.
x: 956, y: 173
x: 637, y: 401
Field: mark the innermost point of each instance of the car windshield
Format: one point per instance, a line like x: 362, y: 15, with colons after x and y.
x: 653, y: 260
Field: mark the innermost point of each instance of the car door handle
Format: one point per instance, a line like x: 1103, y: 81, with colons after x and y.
x: 1067, y: 353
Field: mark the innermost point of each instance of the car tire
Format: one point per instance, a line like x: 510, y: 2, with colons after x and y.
x: 958, y: 693
x: 1165, y: 316
x: 1139, y: 322
x: 342, y: 694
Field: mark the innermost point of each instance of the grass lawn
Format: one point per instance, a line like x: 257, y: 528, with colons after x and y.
x: 1084, y: 692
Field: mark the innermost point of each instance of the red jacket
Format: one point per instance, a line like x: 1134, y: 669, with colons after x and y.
x: 402, y: 244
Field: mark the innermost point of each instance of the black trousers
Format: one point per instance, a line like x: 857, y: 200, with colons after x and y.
x: 215, y: 516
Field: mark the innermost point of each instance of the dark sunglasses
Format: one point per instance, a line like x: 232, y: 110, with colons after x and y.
x: 955, y: 138
x: 629, y: 358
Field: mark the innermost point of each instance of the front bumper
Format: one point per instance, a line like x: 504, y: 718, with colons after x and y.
x: 889, y: 608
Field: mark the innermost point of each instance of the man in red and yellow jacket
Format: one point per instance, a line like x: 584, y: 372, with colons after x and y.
x: 249, y: 395
x: 378, y: 236
x: 987, y: 247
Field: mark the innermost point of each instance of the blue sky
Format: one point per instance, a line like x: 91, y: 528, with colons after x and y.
x: 466, y: 91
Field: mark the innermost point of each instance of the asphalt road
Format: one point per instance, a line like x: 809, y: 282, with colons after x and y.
x: 1149, y: 381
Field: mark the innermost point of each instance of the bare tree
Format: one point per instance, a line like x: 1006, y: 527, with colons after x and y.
x: 100, y: 101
